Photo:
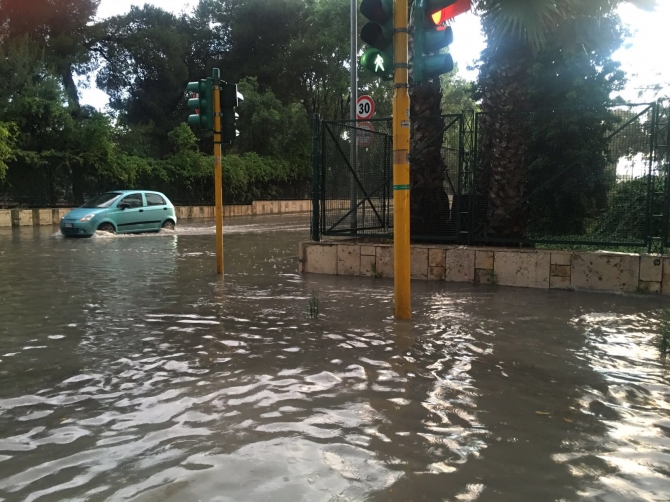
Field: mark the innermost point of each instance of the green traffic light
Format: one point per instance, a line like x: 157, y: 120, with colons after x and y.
x: 378, y: 62
x: 428, y: 40
x: 203, y: 103
x: 436, y: 65
x: 230, y: 99
x: 193, y: 87
x: 378, y: 11
x: 378, y: 34
x: 434, y: 40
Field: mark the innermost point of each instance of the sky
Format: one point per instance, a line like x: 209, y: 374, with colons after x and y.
x: 644, y: 56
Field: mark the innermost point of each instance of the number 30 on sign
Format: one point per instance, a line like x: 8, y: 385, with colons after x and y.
x: 365, y: 107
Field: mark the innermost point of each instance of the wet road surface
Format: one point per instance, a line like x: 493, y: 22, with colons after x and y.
x: 129, y: 372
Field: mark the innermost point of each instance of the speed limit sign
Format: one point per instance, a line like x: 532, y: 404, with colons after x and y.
x: 365, y: 107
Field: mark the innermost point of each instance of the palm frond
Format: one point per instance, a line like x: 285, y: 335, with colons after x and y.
x: 526, y: 19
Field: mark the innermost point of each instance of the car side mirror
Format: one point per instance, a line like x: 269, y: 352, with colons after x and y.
x: 123, y: 206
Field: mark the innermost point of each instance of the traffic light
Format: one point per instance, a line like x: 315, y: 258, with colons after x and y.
x: 378, y: 34
x: 427, y: 62
x: 202, y: 105
x: 451, y: 11
x: 230, y: 99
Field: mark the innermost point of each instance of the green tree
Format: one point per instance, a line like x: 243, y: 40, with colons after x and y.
x: 7, y: 145
x: 319, y: 58
x: 143, y: 69
x: 269, y: 128
x: 457, y: 93
x: 61, y: 28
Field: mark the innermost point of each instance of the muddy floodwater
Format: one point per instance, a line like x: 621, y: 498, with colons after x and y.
x: 129, y: 372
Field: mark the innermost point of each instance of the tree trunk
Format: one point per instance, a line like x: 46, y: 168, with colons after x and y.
x: 429, y: 204
x: 75, y: 110
x: 501, y: 173
x: 70, y: 89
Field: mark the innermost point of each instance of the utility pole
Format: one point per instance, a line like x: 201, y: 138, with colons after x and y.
x: 206, y: 103
x: 353, y: 49
x: 218, y: 190
x: 401, y: 249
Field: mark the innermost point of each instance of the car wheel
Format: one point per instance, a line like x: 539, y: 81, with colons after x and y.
x: 168, y: 225
x: 107, y: 227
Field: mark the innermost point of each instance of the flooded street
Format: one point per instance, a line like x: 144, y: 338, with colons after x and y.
x: 128, y: 371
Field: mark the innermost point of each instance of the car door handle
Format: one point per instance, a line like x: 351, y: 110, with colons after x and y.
x: 141, y: 210
x: 165, y: 209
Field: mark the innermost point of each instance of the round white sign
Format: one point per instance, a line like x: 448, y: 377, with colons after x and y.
x: 365, y: 107
x: 365, y: 134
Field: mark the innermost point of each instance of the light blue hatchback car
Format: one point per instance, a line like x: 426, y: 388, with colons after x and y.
x: 122, y: 211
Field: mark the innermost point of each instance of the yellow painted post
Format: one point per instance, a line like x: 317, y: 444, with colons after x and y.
x: 218, y: 195
x: 401, y: 250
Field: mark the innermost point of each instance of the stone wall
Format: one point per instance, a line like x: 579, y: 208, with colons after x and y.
x: 528, y: 268
x: 35, y: 217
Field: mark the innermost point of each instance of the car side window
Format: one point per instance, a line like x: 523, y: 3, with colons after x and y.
x: 154, y: 200
x: 133, y: 200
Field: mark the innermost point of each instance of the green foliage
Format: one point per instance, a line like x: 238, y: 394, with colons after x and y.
x: 7, y: 139
x: 623, y: 218
x: 250, y: 176
x: 185, y: 163
x: 570, y: 170
x: 144, y: 70
x: 457, y: 93
x: 290, y: 58
x: 313, y: 306
x: 269, y: 128
x: 62, y: 31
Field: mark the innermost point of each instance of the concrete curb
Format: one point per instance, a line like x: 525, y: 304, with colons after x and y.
x: 527, y: 268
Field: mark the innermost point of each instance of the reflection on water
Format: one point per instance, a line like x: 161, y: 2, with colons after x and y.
x: 130, y: 372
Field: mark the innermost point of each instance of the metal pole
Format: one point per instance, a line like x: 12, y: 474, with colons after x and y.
x: 218, y: 195
x: 353, y: 199
x: 401, y: 181
x: 316, y: 235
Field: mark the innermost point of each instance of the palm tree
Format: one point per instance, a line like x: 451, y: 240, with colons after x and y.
x: 511, y: 32
x: 515, y: 30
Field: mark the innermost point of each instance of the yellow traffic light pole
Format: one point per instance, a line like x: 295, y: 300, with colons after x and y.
x: 218, y: 195
x: 401, y: 181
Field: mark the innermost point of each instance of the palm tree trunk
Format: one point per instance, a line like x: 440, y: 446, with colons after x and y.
x: 504, y: 79
x: 429, y: 204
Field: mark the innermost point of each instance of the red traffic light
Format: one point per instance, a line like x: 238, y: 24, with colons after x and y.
x: 451, y: 12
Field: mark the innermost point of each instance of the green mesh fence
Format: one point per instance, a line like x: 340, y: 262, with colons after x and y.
x: 569, y: 177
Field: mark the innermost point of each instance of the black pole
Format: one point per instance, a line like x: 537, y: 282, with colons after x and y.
x: 315, y: 226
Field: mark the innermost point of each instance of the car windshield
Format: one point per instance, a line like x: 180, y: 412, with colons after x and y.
x: 103, y: 200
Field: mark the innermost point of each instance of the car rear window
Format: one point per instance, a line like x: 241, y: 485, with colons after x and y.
x: 154, y: 199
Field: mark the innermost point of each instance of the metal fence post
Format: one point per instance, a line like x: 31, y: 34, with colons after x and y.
x: 315, y: 224
x: 650, y: 180
x: 663, y: 156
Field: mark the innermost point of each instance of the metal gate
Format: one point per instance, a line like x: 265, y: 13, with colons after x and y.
x: 355, y: 178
